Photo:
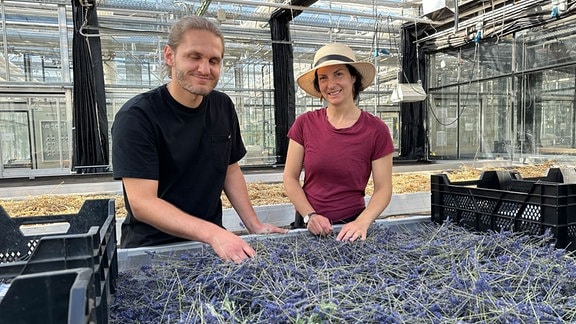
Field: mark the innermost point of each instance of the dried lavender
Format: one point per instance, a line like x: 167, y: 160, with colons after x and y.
x: 430, y: 273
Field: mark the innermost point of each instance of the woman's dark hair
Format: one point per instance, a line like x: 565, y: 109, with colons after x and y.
x: 353, y: 72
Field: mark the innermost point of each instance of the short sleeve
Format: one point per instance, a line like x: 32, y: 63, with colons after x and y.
x: 296, y: 132
x: 134, y: 153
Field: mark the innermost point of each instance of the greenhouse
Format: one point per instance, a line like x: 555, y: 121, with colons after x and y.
x: 495, y: 83
x: 287, y: 161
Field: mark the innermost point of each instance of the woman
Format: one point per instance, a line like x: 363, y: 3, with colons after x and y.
x: 338, y: 146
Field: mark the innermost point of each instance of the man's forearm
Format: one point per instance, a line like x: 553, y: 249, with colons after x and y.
x: 171, y: 220
x: 236, y: 190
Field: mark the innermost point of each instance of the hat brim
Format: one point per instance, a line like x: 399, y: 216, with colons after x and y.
x: 306, y: 79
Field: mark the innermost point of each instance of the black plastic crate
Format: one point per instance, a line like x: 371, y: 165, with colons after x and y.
x: 29, y: 245
x: 51, y: 297
x: 530, y: 206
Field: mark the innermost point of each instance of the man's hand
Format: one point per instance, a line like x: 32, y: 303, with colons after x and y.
x: 230, y: 247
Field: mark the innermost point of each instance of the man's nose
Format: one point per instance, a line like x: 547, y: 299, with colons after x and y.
x: 204, y: 66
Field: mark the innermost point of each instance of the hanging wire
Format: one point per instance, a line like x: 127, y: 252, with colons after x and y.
x: 417, y: 52
x: 417, y: 89
x: 394, y: 44
x: 464, y: 106
x: 375, y: 50
x: 86, y: 6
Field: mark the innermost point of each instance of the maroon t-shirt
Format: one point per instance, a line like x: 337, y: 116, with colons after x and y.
x: 337, y: 162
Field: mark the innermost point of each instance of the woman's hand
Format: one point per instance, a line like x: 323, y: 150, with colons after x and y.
x: 353, y: 231
x: 319, y: 225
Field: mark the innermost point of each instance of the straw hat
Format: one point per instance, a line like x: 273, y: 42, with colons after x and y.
x: 334, y: 54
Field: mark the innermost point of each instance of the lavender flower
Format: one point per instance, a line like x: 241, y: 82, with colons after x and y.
x: 430, y: 273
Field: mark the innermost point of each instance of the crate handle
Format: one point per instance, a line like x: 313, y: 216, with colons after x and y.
x: 44, y: 229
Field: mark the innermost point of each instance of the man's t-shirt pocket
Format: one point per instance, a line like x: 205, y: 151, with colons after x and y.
x: 221, y: 149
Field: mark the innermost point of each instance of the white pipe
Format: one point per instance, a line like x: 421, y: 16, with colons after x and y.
x: 323, y: 10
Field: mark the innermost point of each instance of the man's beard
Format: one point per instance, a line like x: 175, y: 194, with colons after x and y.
x: 193, y: 89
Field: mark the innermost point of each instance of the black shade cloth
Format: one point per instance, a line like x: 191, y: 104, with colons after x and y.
x: 89, y: 119
x: 413, y: 145
x: 283, y: 66
x: 284, y: 93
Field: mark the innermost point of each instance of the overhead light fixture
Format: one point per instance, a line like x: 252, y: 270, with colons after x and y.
x: 439, y: 9
x: 408, y: 92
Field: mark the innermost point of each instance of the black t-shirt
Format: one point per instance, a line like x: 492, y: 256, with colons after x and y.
x: 186, y: 150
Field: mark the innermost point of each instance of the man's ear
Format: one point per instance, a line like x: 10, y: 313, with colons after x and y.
x: 169, y: 55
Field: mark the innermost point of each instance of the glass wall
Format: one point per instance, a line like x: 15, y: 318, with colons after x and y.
x: 444, y: 113
x: 36, y: 99
x: 558, y: 110
x: 505, y: 98
x: 34, y: 134
x: 32, y: 52
x: 36, y: 91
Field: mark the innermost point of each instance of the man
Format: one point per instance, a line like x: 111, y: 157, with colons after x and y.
x: 177, y: 147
